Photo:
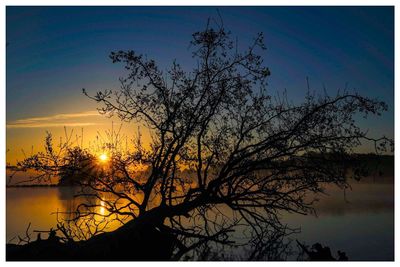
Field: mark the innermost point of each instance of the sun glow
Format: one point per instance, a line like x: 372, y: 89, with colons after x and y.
x: 103, y: 157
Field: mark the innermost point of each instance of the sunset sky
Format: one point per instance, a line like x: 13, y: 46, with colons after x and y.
x: 54, y: 52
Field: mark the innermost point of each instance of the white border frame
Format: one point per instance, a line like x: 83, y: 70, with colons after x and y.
x: 186, y: 3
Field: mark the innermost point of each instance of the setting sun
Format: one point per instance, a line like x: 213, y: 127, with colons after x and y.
x: 103, y: 157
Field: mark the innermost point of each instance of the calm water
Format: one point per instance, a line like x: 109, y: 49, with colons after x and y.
x: 360, y: 222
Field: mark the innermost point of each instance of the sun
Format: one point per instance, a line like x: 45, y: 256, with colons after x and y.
x: 103, y: 157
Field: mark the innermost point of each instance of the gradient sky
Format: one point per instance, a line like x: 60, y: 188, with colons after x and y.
x: 54, y: 52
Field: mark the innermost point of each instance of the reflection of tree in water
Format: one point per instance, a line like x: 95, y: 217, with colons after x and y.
x: 68, y: 200
x: 84, y: 213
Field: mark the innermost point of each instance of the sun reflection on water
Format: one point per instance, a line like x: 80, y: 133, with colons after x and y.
x: 102, y: 209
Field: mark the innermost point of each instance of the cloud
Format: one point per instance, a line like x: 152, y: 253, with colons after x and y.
x: 58, y: 120
x: 49, y: 125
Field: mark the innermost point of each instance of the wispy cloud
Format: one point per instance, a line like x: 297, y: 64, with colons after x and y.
x: 58, y: 120
x: 50, y: 125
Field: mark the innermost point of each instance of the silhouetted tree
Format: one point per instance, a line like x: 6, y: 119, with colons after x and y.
x: 224, y: 153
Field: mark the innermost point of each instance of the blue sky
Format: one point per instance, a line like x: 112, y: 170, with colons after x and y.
x: 54, y: 52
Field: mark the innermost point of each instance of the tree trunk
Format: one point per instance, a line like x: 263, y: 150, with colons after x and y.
x: 139, y: 239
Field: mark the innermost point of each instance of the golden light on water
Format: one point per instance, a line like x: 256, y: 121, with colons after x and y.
x: 102, y: 209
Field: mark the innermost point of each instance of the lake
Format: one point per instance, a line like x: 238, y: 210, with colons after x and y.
x: 359, y: 222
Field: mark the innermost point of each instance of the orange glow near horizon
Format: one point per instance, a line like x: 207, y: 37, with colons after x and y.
x: 23, y: 142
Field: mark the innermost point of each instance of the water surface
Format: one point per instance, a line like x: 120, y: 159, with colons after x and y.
x: 359, y: 222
